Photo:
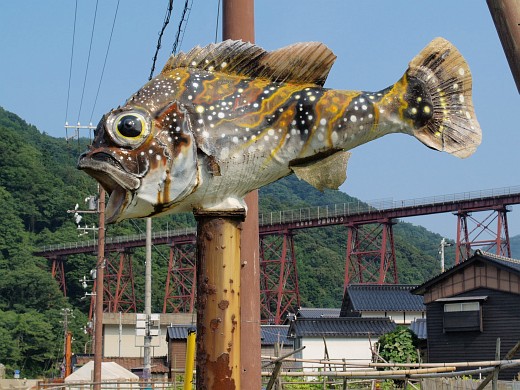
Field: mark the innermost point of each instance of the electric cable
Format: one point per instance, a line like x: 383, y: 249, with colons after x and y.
x: 218, y: 17
x: 88, y: 61
x: 184, y: 21
x: 165, y: 23
x: 71, y: 59
x: 104, y: 62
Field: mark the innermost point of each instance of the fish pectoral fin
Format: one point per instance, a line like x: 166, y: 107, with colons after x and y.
x: 329, y: 172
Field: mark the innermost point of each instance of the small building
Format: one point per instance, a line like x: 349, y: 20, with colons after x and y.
x: 469, y: 307
x: 394, y: 301
x: 121, y: 339
x: 350, y: 338
x: 176, y: 338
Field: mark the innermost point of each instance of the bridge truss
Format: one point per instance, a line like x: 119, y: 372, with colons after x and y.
x: 370, y: 253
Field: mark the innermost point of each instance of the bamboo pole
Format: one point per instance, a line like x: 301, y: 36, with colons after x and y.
x: 218, y: 299
x: 486, y: 363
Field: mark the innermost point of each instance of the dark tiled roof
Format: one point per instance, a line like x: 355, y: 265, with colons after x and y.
x: 419, y: 328
x: 272, y: 334
x: 506, y: 263
x: 317, y: 312
x: 340, y: 327
x: 178, y: 332
x: 385, y: 297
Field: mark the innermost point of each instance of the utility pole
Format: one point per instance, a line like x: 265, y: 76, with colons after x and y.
x: 147, y: 364
x: 444, y: 244
x: 506, y: 16
x: 239, y: 23
x: 100, y: 275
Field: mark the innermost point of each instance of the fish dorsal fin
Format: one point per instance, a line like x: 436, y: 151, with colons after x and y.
x: 306, y: 62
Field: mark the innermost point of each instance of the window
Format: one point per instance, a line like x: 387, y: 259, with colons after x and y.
x: 462, y: 316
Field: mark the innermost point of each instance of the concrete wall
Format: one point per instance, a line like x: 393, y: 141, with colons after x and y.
x: 351, y: 349
x: 120, y: 340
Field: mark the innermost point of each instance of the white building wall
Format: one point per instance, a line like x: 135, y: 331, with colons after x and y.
x: 399, y: 317
x: 124, y: 343
x: 351, y: 349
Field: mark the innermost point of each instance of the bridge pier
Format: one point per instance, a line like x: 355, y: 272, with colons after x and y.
x: 371, y: 253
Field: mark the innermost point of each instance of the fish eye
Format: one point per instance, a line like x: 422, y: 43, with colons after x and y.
x: 130, y: 126
x: 129, y: 129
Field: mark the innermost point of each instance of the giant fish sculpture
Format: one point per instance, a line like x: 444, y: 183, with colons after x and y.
x: 225, y: 119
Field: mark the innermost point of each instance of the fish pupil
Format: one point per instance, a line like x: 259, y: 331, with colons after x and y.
x: 130, y: 126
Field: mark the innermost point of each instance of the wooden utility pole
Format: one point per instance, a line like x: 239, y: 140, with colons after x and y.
x: 100, y: 276
x: 239, y: 23
x: 506, y: 16
x: 218, y: 299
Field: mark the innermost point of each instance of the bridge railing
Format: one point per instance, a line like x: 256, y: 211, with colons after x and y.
x: 358, y: 207
x: 313, y: 213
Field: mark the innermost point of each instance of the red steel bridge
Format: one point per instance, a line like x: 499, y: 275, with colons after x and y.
x: 370, y: 254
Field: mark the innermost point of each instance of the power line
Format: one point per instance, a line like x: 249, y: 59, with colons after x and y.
x: 166, y: 21
x: 88, y: 60
x: 184, y: 20
x: 218, y: 17
x: 105, y: 62
x: 71, y: 59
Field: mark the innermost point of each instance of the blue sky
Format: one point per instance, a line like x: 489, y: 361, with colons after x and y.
x: 374, y: 41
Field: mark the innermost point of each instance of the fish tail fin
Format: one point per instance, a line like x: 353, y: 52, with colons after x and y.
x: 439, y: 100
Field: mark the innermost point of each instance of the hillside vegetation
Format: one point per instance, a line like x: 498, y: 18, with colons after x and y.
x: 39, y: 183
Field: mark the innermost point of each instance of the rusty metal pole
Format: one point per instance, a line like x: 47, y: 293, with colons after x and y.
x: 506, y: 16
x: 218, y: 299
x: 100, y: 275
x: 239, y: 23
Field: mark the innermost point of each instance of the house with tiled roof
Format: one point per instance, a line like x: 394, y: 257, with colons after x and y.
x: 317, y: 312
x: 394, y: 301
x: 469, y: 307
x: 350, y: 338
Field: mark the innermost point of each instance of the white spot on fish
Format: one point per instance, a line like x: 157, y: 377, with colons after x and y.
x: 270, y: 132
x: 321, y: 137
x: 461, y: 98
x: 220, y: 115
x: 353, y: 118
x: 323, y: 121
x: 205, y: 134
x: 461, y: 71
x: 158, y: 158
x: 199, y: 109
x: 364, y: 107
x: 312, y: 98
x: 334, y: 136
x: 235, y: 140
x: 224, y: 153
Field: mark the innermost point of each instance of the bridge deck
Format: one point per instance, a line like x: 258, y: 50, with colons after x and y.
x: 335, y: 214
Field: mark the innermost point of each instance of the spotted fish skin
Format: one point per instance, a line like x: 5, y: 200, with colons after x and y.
x: 223, y: 120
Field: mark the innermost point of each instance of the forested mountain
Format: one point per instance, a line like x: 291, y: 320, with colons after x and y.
x: 39, y: 183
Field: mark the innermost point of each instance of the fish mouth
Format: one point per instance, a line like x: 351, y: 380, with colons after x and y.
x: 110, y: 175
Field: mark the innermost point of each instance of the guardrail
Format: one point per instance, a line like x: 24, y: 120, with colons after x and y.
x: 313, y: 213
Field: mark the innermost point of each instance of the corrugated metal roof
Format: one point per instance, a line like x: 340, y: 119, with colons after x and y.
x: 272, y: 334
x: 317, y: 312
x: 419, y: 328
x: 386, y: 297
x: 178, y: 332
x: 340, y: 327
